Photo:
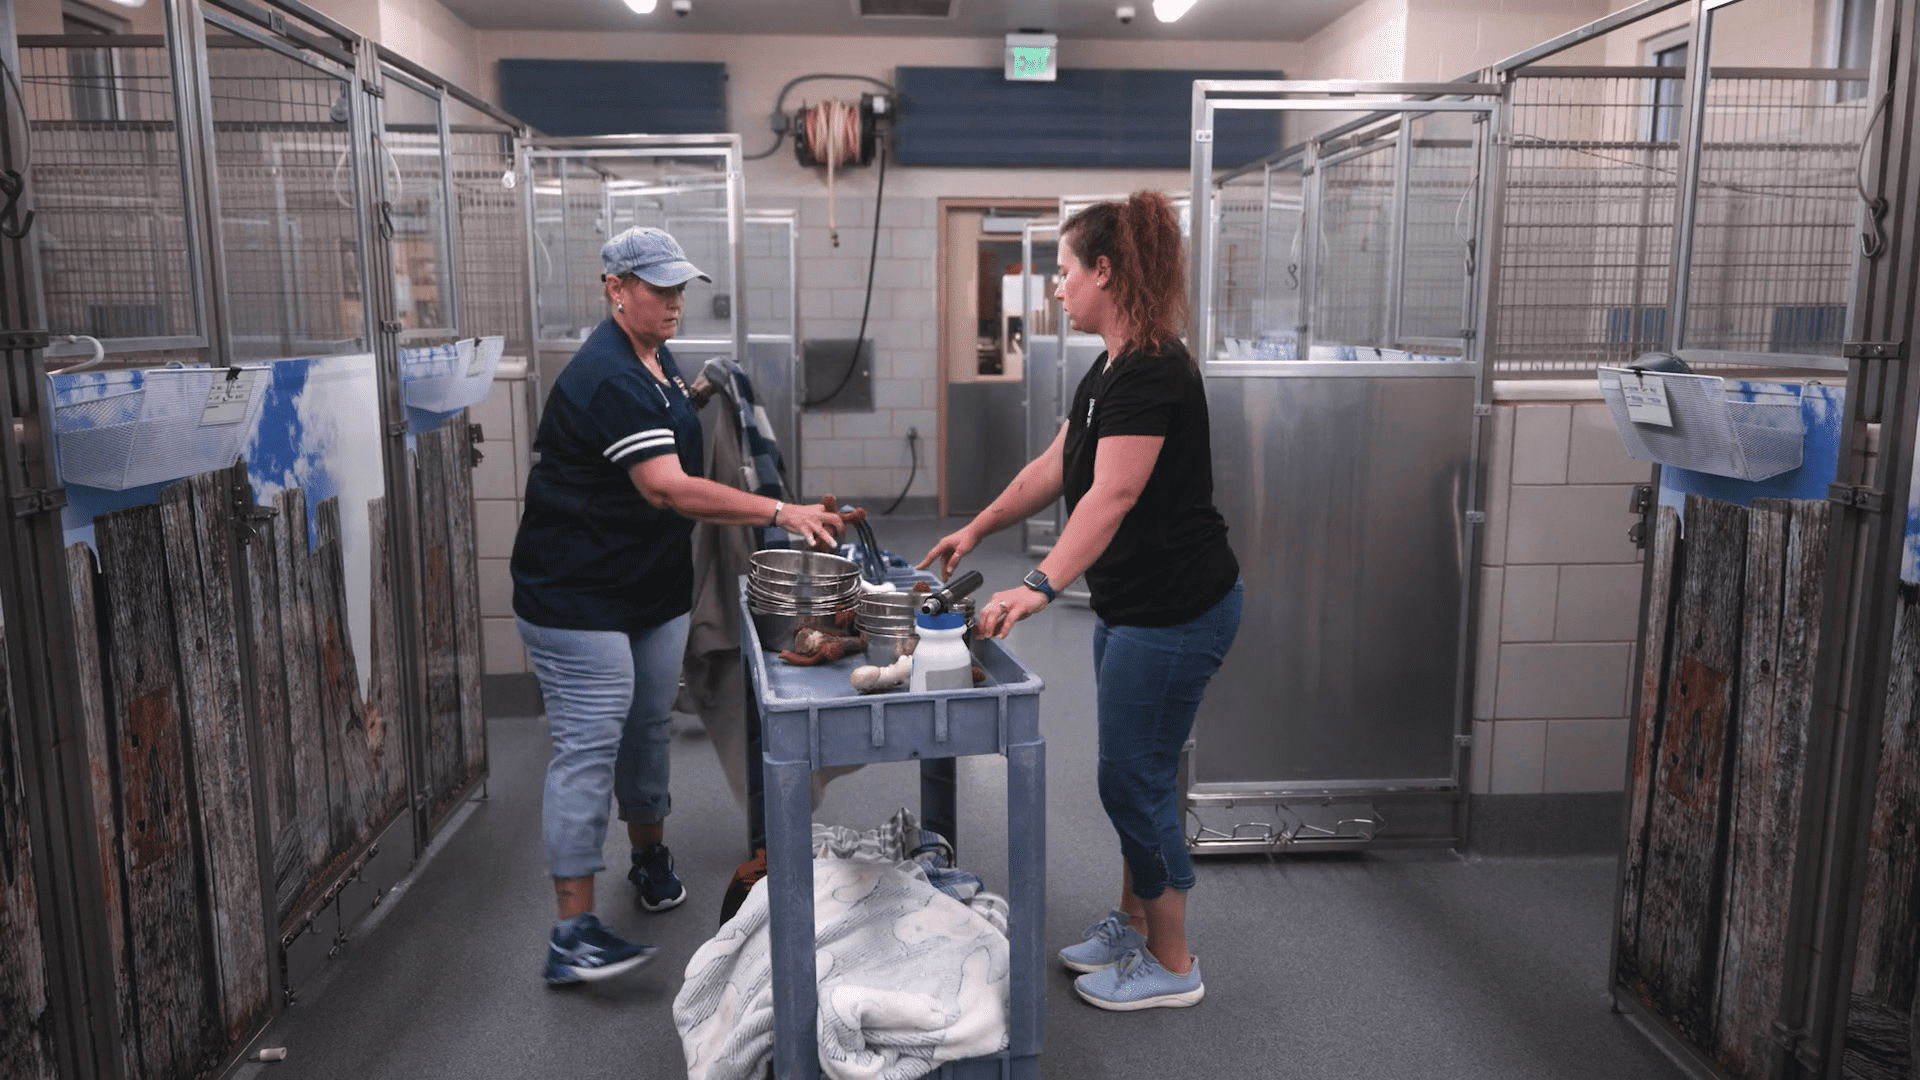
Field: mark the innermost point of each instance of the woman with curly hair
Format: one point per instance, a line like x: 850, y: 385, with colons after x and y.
x: 1135, y: 463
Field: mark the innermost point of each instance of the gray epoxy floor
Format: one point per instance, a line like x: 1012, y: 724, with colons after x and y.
x: 1371, y: 966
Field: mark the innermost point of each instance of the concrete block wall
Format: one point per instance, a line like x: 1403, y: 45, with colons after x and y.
x: 1559, y: 600
x: 864, y: 454
x: 499, y: 486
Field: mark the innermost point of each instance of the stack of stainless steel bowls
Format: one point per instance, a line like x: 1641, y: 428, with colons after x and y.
x: 887, y: 620
x: 785, y: 589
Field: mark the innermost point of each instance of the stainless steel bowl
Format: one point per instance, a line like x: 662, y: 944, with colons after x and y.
x: 843, y: 597
x: 776, y: 631
x: 792, y: 566
x: 809, y: 591
x: 884, y: 649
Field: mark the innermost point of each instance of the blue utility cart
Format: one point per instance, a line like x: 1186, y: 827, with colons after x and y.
x: 804, y: 718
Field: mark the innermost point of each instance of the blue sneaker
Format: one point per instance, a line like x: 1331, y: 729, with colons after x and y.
x: 653, y: 875
x: 1139, y: 982
x: 583, y: 951
x: 1107, y: 941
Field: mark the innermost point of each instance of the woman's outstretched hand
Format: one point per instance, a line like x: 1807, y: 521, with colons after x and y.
x: 951, y: 549
x: 1006, y: 608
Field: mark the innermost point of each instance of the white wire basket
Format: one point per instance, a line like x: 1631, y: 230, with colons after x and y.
x: 126, y: 429
x: 1749, y: 433
x: 448, y: 378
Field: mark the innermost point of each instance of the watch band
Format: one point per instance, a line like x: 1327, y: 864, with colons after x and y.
x: 1038, y: 582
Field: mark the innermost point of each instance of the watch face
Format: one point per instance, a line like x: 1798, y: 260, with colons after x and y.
x: 1036, y: 579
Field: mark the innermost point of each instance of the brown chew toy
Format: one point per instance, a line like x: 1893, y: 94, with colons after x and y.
x: 813, y: 645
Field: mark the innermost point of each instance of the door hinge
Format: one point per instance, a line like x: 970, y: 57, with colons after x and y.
x: 1476, y: 517
x: 397, y: 428
x: 25, y: 339
x: 373, y: 88
x: 391, y: 326
x: 1858, y: 496
x: 1639, y: 499
x: 1483, y: 410
x: 38, y: 501
x: 1875, y: 350
x: 1463, y: 740
x: 475, y: 436
x: 1203, y: 135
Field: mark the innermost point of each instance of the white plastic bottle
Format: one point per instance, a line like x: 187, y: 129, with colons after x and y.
x: 941, y: 661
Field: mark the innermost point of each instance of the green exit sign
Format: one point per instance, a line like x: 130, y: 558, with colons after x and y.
x: 1032, y: 57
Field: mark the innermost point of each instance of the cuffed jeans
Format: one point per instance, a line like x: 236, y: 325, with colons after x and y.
x: 609, y: 698
x: 1150, y: 681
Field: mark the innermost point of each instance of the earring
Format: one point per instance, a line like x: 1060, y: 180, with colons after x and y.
x: 619, y: 307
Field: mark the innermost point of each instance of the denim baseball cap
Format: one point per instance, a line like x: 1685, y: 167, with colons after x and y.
x: 652, y: 255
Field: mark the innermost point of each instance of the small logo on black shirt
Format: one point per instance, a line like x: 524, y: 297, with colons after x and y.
x: 1090, y: 402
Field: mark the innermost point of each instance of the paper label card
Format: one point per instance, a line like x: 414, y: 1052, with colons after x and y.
x: 227, y: 400
x: 1646, y: 398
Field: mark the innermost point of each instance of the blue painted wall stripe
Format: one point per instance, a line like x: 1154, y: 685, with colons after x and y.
x: 1090, y: 117
x: 616, y: 97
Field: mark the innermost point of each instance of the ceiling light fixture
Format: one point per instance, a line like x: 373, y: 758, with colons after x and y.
x: 1171, y: 10
x: 643, y: 7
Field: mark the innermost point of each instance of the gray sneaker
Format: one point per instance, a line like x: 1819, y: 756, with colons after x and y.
x: 1107, y: 941
x: 1139, y: 982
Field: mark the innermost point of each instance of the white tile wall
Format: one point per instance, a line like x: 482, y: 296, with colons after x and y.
x: 498, y: 486
x: 1560, y: 592
x: 864, y: 455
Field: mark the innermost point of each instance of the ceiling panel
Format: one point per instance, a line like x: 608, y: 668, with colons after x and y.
x: 1210, y: 20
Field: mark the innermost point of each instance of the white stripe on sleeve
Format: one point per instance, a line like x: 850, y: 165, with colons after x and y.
x: 650, y: 437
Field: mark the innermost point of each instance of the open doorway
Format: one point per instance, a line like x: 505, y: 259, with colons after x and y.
x: 983, y: 441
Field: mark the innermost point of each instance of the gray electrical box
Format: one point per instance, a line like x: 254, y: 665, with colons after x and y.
x: 826, y: 362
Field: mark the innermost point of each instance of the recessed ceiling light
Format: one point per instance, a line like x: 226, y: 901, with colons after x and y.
x: 642, y: 7
x: 1170, y: 10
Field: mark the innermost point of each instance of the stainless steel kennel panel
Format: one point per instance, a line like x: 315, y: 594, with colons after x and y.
x: 1345, y: 407
x: 1344, y: 494
x: 771, y: 275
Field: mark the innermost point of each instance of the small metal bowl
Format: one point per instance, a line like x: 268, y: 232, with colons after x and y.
x: 795, y: 565
x: 776, y: 631
x: 884, y: 649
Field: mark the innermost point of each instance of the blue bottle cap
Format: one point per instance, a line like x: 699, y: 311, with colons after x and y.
x: 952, y: 620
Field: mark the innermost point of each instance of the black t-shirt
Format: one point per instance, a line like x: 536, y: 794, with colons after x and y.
x: 592, y: 553
x: 1169, y: 562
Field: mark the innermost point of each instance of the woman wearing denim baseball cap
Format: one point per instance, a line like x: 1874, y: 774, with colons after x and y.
x: 603, y: 583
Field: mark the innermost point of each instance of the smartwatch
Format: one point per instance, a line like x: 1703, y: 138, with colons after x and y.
x: 1038, y: 582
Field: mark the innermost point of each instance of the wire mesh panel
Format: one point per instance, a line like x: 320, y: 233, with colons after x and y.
x: 412, y: 162
x: 1355, y: 238
x: 580, y: 201
x: 1587, y: 238
x: 1440, y: 220
x: 283, y: 163
x: 111, y: 229
x: 1774, y: 221
x: 1237, y: 262
x: 490, y: 223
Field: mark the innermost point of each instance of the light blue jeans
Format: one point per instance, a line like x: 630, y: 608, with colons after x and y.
x: 609, y: 699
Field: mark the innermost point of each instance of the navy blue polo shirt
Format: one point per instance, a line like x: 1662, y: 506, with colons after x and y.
x: 592, y: 553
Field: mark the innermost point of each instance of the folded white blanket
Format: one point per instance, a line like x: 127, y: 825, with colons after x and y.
x: 909, y: 979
